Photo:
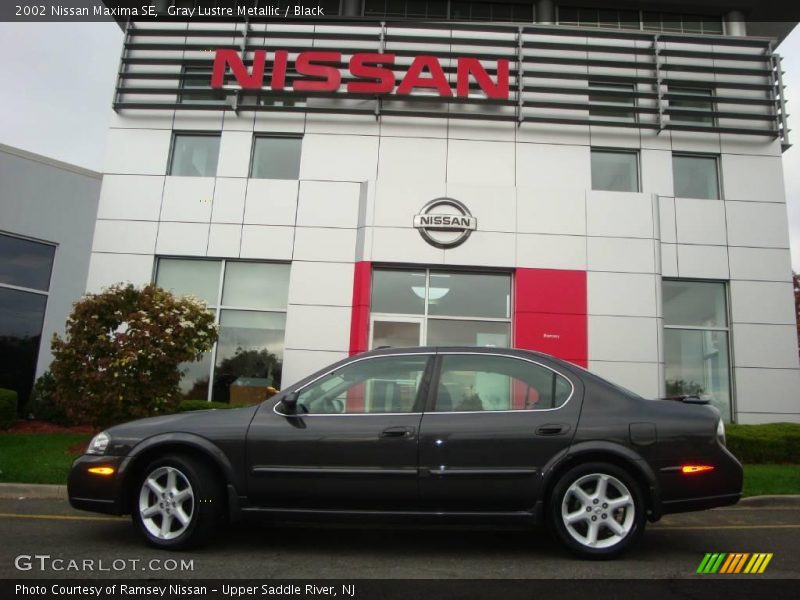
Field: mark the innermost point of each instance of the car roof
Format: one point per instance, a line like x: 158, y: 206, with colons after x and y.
x: 468, y: 349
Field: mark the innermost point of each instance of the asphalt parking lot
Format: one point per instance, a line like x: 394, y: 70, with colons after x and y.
x: 672, y: 548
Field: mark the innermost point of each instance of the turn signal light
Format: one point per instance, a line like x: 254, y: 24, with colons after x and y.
x: 689, y: 469
x: 102, y: 470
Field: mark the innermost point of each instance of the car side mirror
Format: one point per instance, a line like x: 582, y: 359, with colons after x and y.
x: 289, y: 403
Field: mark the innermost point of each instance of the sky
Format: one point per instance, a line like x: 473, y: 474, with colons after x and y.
x: 59, y: 81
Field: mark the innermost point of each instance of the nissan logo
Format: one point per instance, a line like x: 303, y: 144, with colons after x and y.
x: 445, y: 223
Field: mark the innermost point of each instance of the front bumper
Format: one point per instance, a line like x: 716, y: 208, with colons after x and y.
x: 97, y: 493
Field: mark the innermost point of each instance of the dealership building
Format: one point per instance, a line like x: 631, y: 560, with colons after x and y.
x: 600, y: 183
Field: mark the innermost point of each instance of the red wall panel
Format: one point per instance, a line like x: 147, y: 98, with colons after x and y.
x: 359, y: 319
x: 550, y: 313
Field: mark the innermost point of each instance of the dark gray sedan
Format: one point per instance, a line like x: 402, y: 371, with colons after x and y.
x: 421, y: 434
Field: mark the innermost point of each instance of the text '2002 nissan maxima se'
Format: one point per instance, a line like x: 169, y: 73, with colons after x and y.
x: 418, y: 434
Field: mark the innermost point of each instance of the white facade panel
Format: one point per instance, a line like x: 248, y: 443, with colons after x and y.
x: 106, y: 269
x: 339, y: 157
x: 229, y: 195
x: 768, y: 346
x: 324, y: 244
x: 623, y: 339
x: 396, y: 203
x: 767, y: 395
x: 490, y: 163
x: 642, y: 378
x: 764, y: 264
x: 700, y: 221
x: 318, y: 328
x: 176, y: 239
x: 551, y: 210
x: 702, y: 262
x: 132, y: 197
x: 619, y: 214
x: 328, y: 204
x: 553, y: 167
x: 621, y: 254
x: 416, y: 159
x: 234, y: 154
x: 551, y: 251
x: 188, y: 199
x: 137, y: 151
x: 756, y: 178
x: 267, y: 242
x: 271, y: 202
x: 622, y: 294
x: 125, y: 237
x: 224, y: 240
x: 759, y: 224
x: 321, y: 283
x: 762, y: 302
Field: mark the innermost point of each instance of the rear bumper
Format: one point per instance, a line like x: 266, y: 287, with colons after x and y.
x: 706, y: 502
x: 96, y: 493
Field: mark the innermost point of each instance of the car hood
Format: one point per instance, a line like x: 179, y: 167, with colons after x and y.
x: 210, y: 424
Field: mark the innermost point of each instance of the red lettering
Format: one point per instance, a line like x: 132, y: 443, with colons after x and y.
x: 473, y: 67
x: 380, y: 79
x: 308, y: 63
x: 278, y: 81
x: 230, y: 58
x: 414, y: 79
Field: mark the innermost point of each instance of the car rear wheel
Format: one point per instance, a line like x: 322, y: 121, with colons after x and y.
x: 178, y: 502
x: 597, y: 510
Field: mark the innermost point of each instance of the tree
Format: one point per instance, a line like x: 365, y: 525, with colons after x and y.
x: 796, y: 280
x: 120, y: 355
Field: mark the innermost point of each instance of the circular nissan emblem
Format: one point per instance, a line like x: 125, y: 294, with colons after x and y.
x: 445, y: 223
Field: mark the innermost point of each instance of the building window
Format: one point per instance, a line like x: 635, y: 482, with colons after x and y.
x: 440, y: 308
x: 194, y: 155
x: 584, y: 16
x: 276, y: 157
x: 486, y: 383
x: 196, y: 87
x: 695, y: 99
x: 249, y: 300
x: 611, y: 101
x: 615, y: 171
x: 696, y: 345
x: 695, y: 176
x: 25, y: 271
x: 454, y: 10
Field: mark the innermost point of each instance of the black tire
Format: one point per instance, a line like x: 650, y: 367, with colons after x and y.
x: 611, y: 538
x: 205, y: 506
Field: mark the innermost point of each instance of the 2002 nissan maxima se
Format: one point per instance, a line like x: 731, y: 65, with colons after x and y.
x: 421, y: 433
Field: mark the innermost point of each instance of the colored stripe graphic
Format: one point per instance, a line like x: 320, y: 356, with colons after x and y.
x: 733, y: 563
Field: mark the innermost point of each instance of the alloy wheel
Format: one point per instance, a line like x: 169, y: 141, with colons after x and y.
x: 166, y: 503
x: 598, y: 510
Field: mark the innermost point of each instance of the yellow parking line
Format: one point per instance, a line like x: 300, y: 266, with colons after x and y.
x: 713, y: 527
x: 59, y: 517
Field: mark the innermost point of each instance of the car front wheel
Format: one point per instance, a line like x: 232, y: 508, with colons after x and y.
x: 597, y: 510
x: 177, y: 503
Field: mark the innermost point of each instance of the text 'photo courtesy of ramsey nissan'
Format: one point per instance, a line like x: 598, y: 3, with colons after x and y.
x: 399, y: 299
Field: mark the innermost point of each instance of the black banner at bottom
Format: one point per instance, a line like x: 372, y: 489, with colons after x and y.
x: 705, y: 588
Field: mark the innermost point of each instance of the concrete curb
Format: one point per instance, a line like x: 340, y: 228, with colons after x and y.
x: 42, y: 491
x: 770, y: 501
x: 32, y: 490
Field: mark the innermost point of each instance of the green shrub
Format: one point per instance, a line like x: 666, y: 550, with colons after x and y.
x: 42, y: 405
x: 187, y: 405
x: 121, y: 356
x: 764, y: 444
x: 8, y: 408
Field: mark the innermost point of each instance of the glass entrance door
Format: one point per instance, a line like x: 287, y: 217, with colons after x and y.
x: 397, y: 332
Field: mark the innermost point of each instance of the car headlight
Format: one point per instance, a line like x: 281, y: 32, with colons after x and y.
x: 99, y: 443
x: 721, y: 432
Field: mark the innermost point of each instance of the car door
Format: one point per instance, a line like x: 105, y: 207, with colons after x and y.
x: 494, y: 421
x: 352, y: 442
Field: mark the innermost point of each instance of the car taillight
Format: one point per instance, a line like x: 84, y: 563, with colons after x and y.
x: 691, y: 469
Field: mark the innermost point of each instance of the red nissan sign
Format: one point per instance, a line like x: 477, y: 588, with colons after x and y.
x: 373, y: 73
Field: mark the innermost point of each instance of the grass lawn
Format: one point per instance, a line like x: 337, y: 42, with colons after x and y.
x: 39, y: 458
x: 761, y: 480
x: 46, y: 458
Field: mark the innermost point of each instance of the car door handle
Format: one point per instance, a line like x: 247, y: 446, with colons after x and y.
x: 552, y: 429
x: 397, y: 432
